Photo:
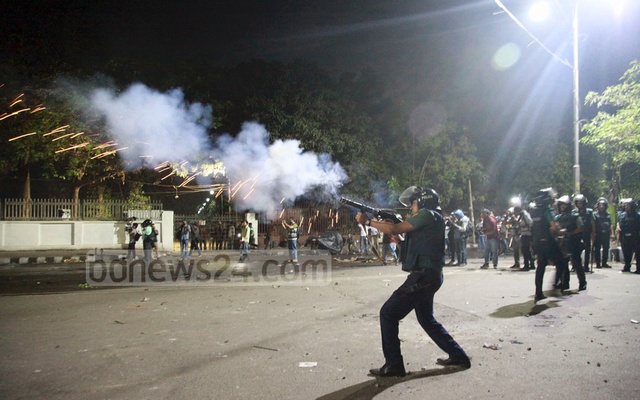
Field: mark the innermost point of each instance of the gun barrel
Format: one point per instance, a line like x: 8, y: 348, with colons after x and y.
x: 362, y: 207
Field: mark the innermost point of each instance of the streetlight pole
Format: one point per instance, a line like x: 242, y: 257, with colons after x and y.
x: 576, y: 102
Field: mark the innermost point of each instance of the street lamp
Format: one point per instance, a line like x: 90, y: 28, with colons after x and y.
x: 539, y: 11
x: 576, y: 103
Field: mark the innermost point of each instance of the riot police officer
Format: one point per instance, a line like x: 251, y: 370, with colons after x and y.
x: 423, y: 257
x: 543, y: 231
x: 602, y: 233
x: 571, y: 244
x: 588, y: 226
x: 629, y: 234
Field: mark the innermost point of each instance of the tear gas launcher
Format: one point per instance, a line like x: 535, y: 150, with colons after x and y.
x: 377, y: 213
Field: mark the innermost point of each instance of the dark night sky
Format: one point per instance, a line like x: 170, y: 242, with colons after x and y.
x: 435, y: 51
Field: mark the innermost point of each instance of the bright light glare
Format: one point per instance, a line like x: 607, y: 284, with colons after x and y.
x: 505, y: 57
x: 618, y: 7
x: 540, y: 11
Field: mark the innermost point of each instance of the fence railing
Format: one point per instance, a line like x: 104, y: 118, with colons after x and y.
x: 87, y: 209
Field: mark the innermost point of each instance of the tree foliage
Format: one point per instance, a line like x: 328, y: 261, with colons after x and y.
x: 615, y: 131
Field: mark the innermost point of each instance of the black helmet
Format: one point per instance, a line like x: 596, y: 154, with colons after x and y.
x: 580, y: 197
x: 604, y: 201
x: 427, y: 198
x: 544, y: 197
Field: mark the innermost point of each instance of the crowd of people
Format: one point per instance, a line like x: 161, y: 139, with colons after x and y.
x: 563, y: 231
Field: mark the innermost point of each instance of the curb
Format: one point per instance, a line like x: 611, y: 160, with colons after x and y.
x: 53, y: 259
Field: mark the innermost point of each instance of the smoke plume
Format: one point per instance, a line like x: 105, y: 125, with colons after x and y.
x: 164, y: 127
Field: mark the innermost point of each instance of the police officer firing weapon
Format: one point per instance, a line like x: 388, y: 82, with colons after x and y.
x: 423, y: 258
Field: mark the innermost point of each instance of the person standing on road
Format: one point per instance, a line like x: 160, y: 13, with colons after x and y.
x: 244, y: 240
x: 492, y: 245
x: 183, y: 235
x: 364, y: 242
x: 423, y: 257
x: 588, y: 227
x: 292, y: 239
x: 629, y: 234
x: 134, y: 234
x: 603, y: 233
x: 544, y: 230
x: 570, y: 232
x: 147, y: 232
x: 523, y: 219
x: 195, y: 239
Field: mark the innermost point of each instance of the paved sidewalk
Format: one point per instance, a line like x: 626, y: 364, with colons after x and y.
x: 296, y: 341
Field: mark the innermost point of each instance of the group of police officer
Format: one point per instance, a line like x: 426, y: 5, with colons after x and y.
x: 557, y: 237
x: 561, y: 235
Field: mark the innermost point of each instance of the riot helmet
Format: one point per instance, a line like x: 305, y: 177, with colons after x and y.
x: 566, y: 200
x: 580, y: 197
x: 544, y: 197
x: 623, y: 203
x: 604, y: 202
x: 458, y: 213
x: 427, y: 198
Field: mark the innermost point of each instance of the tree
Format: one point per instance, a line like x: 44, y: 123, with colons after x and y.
x: 446, y: 163
x: 614, y: 131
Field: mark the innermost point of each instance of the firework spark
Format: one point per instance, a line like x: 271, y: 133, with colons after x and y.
x: 5, y: 115
x: 17, y: 100
x: 72, y: 147
x: 62, y: 137
x: 21, y: 136
x: 59, y: 129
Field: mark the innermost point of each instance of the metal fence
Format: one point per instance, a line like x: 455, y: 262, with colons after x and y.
x: 87, y: 209
x: 313, y: 221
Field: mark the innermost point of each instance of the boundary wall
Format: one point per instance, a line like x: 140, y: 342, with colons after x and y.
x: 77, y: 235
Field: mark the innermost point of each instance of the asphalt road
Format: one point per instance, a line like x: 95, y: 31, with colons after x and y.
x: 243, y: 339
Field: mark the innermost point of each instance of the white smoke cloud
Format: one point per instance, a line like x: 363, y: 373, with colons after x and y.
x: 164, y: 127
x: 151, y: 123
x: 273, y: 172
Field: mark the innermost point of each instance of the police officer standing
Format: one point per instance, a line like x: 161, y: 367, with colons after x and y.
x: 544, y: 230
x: 588, y: 226
x: 629, y: 234
x: 423, y: 257
x: 570, y: 234
x: 602, y: 233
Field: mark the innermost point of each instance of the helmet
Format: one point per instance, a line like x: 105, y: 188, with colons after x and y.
x: 566, y: 200
x: 544, y: 197
x: 623, y: 203
x: 427, y: 198
x: 458, y: 213
x: 604, y: 201
x: 580, y: 197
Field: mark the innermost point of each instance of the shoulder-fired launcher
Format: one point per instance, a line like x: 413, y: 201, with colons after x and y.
x: 380, y: 214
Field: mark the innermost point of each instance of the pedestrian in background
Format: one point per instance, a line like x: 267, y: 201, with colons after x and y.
x: 195, y: 239
x: 492, y: 245
x: 184, y: 231
x: 133, y: 234
x: 292, y: 239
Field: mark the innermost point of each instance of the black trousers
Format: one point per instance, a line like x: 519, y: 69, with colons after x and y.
x: 629, y: 243
x: 402, y: 302
x: 550, y: 252
x: 601, y: 243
